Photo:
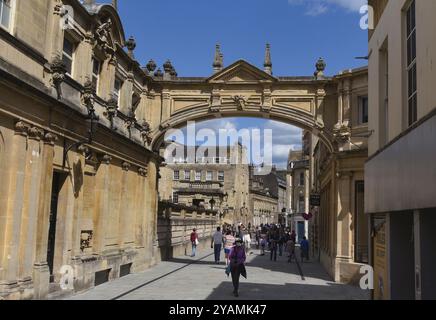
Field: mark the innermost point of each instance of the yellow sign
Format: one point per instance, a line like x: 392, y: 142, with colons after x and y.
x: 381, y: 291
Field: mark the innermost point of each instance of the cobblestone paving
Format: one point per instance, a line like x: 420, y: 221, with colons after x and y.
x: 186, y: 278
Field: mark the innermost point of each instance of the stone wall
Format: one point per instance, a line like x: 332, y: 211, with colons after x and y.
x: 175, y: 224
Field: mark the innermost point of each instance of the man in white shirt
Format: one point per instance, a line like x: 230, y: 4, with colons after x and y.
x: 217, y: 244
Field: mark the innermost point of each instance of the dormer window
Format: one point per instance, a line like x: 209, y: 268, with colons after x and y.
x: 136, y: 99
x: 5, y: 13
x: 117, y: 89
x: 96, y: 68
x: 68, y: 55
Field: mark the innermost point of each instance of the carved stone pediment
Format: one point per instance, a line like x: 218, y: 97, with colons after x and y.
x: 241, y: 72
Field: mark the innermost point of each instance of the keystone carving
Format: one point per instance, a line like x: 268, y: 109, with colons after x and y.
x: 58, y: 70
x: 241, y: 102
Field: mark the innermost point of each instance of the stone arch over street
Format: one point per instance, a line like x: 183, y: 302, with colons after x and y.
x: 243, y: 90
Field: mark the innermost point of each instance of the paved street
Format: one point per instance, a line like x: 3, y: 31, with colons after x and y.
x: 186, y: 278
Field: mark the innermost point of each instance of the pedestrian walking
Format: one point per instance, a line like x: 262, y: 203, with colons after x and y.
x: 194, y: 241
x: 274, y: 244
x: 217, y: 244
x: 294, y: 236
x: 290, y: 248
x: 304, y: 247
x: 247, y: 241
x: 237, y: 259
x: 229, y: 241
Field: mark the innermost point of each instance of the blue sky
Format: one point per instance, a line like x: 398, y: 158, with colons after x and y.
x: 299, y: 31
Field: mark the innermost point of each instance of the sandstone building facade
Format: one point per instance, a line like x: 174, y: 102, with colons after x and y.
x: 78, y: 178
x: 81, y: 127
x: 401, y: 169
x: 213, y: 182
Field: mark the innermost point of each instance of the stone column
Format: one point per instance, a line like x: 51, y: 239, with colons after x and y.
x: 41, y: 272
x: 320, y: 95
x: 124, y: 211
x: 78, y: 182
x: 107, y: 78
x: 14, y: 206
x: 31, y: 197
x: 141, y: 208
x: 102, y: 202
x: 340, y: 102
x: 166, y: 105
x: 126, y: 96
x: 344, y: 217
x: 347, y: 102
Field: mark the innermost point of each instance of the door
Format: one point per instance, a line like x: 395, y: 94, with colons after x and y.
x: 58, y: 180
x: 301, y: 231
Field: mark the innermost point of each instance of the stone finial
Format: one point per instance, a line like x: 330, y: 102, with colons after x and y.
x: 268, y: 61
x: 158, y: 73
x: 218, y: 61
x: 168, y: 68
x: 131, y: 45
x: 320, y: 67
x: 151, y: 66
x: 173, y: 73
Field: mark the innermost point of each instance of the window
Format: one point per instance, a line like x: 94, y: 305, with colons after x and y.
x: 67, y: 55
x: 187, y: 175
x: 5, y: 13
x: 117, y: 89
x: 209, y: 176
x: 221, y: 176
x: 96, y: 67
x: 176, y: 175
x: 411, y: 64
x: 301, y: 205
x: 363, y: 110
x: 175, y: 197
x: 302, y: 179
x: 136, y: 99
x: 198, y: 175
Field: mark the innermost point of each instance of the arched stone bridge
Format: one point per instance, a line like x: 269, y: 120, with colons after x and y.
x: 243, y: 90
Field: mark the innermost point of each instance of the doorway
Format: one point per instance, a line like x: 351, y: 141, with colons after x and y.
x: 59, y: 179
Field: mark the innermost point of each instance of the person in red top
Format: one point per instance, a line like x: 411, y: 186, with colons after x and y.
x: 194, y: 242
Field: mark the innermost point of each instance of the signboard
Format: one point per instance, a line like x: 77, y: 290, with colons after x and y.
x: 315, y: 200
x: 380, y: 260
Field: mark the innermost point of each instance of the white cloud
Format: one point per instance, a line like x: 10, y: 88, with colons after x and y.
x: 318, y: 7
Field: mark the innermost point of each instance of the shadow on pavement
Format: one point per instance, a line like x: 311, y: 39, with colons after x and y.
x: 256, y: 291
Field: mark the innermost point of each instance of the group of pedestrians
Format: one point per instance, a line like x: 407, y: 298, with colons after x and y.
x: 237, y: 244
x: 277, y: 239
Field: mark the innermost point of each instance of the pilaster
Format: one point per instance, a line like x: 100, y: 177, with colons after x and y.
x: 10, y: 258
